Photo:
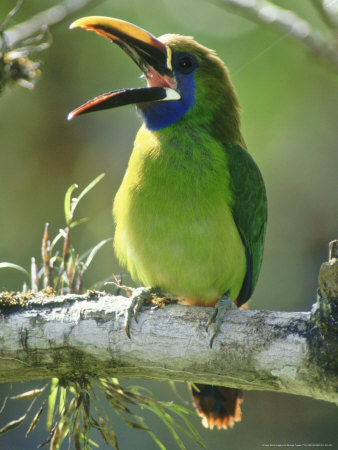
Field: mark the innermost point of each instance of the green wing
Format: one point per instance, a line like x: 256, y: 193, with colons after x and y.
x: 250, y: 212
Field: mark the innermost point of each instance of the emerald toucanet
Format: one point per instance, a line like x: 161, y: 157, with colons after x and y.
x: 191, y: 211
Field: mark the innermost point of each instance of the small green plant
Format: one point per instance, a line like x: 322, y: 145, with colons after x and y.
x: 77, y: 406
x: 62, y: 268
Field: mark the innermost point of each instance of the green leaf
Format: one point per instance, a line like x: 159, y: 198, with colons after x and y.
x: 35, y: 420
x: 107, y: 432
x: 93, y: 252
x: 178, y: 409
x: 60, y: 434
x: 94, y: 423
x: 12, y: 424
x: 136, y: 389
x: 60, y: 234
x: 181, y: 411
x: 62, y: 400
x: 166, y: 419
x: 29, y: 394
x: 117, y: 404
x: 3, y: 404
x: 152, y: 434
x: 67, y: 204
x: 54, y: 388
x: 135, y: 425
x: 77, y: 434
x: 7, y: 265
x: 85, y: 191
x: 78, y: 222
x: 194, y: 386
x: 16, y: 423
x: 90, y: 187
x: 156, y: 439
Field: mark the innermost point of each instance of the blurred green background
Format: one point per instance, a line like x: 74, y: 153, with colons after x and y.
x: 290, y: 109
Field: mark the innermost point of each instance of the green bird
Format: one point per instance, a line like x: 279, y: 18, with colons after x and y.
x: 191, y: 211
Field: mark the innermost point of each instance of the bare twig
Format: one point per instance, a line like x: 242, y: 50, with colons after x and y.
x: 328, y: 10
x: 10, y: 15
x: 49, y: 17
x: 268, y: 13
x: 17, y: 44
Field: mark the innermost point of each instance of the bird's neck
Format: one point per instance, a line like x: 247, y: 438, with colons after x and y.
x: 217, y: 114
x: 224, y: 128
x: 159, y: 115
x: 219, y: 118
x: 224, y: 122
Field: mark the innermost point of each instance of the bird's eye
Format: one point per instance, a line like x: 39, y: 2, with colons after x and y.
x: 186, y: 64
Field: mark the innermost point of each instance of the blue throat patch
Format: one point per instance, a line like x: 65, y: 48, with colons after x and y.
x: 159, y: 115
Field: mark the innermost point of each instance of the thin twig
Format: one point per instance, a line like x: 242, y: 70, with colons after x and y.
x: 268, y: 13
x: 326, y: 12
x: 49, y: 17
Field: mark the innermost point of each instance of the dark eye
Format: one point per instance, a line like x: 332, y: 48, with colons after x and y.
x: 186, y: 64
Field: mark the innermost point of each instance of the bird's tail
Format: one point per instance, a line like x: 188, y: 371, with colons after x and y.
x: 218, y: 406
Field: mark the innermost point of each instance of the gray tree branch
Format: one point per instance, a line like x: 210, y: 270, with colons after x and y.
x: 18, y: 43
x: 69, y: 336
x: 322, y: 45
x: 48, y: 17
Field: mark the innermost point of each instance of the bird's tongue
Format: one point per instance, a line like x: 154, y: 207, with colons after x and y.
x: 155, y: 79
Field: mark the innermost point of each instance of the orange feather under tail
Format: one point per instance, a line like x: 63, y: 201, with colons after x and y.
x: 218, y: 406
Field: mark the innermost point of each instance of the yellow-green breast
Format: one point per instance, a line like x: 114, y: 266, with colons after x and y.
x: 174, y: 225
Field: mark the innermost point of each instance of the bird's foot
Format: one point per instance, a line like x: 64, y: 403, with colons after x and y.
x: 139, y: 296
x: 223, y: 305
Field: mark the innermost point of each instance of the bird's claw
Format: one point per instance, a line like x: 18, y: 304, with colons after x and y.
x: 139, y: 296
x: 223, y: 305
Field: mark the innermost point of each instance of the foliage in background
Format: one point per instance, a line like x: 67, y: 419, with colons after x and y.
x: 75, y: 407
x: 16, y: 44
x: 61, y: 270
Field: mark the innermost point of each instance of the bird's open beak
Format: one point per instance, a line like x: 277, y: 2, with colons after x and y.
x: 152, y: 56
